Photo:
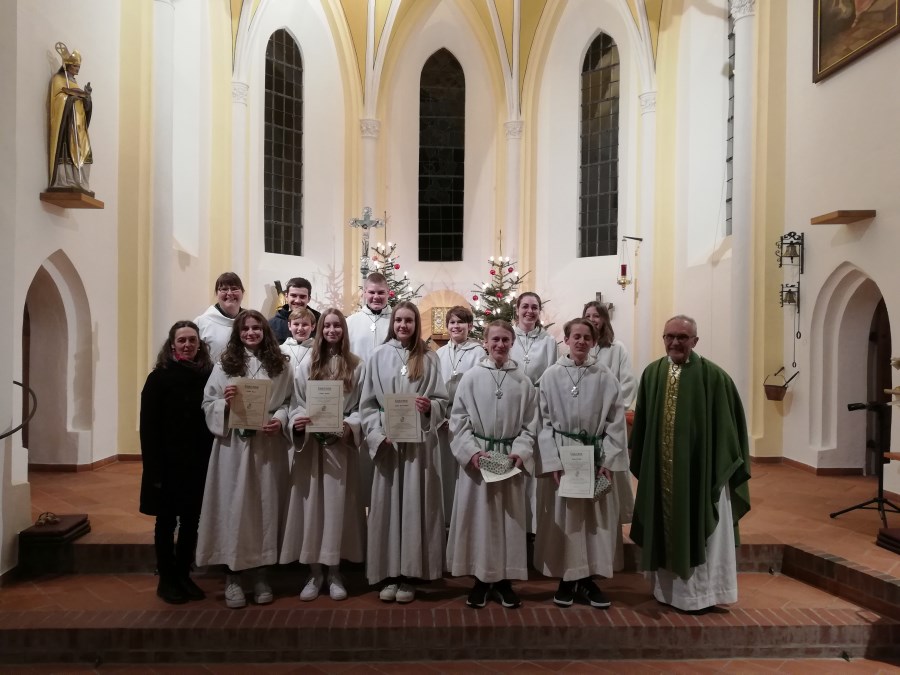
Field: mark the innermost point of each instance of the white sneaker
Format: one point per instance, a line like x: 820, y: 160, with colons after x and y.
x: 406, y: 593
x: 234, y: 594
x: 336, y: 586
x: 311, y: 589
x: 262, y: 592
x: 389, y: 592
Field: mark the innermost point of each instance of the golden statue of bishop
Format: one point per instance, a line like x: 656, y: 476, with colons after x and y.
x: 69, y: 109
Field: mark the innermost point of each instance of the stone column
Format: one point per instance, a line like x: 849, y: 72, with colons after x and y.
x: 744, y: 13
x: 239, y: 91
x: 370, y: 129
x: 512, y: 226
x: 163, y: 182
x: 646, y: 333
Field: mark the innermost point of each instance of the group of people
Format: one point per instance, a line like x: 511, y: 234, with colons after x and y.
x: 252, y: 498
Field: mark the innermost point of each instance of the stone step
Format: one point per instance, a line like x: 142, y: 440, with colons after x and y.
x: 117, y: 619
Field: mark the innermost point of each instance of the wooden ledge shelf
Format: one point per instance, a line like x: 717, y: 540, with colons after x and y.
x: 842, y: 217
x: 72, y: 200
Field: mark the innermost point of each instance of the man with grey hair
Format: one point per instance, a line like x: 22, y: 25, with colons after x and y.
x: 691, y: 456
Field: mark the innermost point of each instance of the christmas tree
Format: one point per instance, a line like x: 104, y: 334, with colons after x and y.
x: 496, y: 299
x: 384, y: 260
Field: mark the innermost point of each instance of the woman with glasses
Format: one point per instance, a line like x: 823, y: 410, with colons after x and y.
x: 216, y: 322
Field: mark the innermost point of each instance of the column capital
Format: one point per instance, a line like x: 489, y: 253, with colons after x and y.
x: 239, y: 92
x: 514, y: 128
x: 370, y: 128
x: 741, y: 9
x: 648, y: 102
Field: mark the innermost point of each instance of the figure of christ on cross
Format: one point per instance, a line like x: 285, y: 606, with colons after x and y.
x: 365, y: 223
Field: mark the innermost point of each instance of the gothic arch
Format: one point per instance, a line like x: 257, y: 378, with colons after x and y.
x: 839, y: 328
x: 60, y: 367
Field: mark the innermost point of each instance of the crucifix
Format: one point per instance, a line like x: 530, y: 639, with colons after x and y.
x: 366, y: 223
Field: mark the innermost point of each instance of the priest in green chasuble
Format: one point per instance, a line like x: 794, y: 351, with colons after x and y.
x: 690, y: 455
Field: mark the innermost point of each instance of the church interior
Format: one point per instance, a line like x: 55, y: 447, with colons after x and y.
x: 745, y: 176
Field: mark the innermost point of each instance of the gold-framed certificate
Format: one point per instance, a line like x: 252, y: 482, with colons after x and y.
x: 250, y: 406
x: 325, y: 406
x: 577, y: 480
x: 401, y: 419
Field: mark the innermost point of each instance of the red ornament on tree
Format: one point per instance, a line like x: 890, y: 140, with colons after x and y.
x: 493, y: 272
x: 391, y: 293
x: 475, y: 297
x: 396, y: 266
x: 510, y: 270
x: 500, y: 295
x: 487, y: 311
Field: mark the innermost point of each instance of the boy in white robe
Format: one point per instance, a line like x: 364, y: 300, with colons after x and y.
x: 301, y: 323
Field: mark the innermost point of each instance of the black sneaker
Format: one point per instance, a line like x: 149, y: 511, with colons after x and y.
x: 170, y: 591
x: 191, y: 590
x: 506, y: 595
x: 565, y: 594
x: 588, y: 590
x: 478, y: 595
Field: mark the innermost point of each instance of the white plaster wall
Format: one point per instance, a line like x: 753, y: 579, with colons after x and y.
x: 324, y: 229
x: 15, y: 495
x: 843, y: 152
x: 444, y: 27
x: 702, y: 252
x: 562, y: 277
x: 86, y: 237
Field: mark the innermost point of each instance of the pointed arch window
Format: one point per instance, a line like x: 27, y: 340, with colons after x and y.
x: 442, y: 153
x: 283, y: 146
x: 599, y: 175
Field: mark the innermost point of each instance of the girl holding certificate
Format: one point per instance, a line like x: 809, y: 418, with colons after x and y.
x: 456, y: 357
x: 175, y: 445
x: 403, y: 390
x: 495, y: 410
x: 247, y: 481
x: 325, y: 516
x: 580, y: 406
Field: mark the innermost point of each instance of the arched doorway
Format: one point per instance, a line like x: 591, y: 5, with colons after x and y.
x: 850, y: 363
x: 57, y: 364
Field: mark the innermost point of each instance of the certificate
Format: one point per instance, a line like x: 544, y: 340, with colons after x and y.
x: 401, y: 419
x: 250, y: 406
x: 577, y: 480
x: 325, y: 406
x: 490, y: 477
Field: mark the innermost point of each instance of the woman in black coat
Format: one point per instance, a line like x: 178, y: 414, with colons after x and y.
x: 175, y: 445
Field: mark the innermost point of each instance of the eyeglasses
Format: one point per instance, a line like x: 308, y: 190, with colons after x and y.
x: 679, y: 337
x: 229, y: 289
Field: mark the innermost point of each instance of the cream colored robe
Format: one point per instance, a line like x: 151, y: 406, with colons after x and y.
x: 406, y: 518
x: 576, y: 538
x: 247, y: 480
x: 487, y: 528
x: 455, y: 361
x: 325, y: 518
x: 215, y: 331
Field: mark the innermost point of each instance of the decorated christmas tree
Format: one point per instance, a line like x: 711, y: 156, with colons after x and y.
x: 385, y: 260
x: 496, y: 298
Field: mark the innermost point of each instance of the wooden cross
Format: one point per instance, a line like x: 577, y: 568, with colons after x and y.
x: 366, y: 223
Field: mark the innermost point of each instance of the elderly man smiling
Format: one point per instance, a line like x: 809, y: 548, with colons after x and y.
x: 691, y: 458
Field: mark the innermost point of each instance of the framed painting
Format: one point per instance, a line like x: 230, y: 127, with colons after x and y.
x: 844, y: 30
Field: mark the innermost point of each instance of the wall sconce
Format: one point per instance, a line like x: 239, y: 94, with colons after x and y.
x: 625, y: 274
x: 789, y: 250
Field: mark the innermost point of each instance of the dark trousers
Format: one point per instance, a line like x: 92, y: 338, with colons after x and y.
x: 174, y: 558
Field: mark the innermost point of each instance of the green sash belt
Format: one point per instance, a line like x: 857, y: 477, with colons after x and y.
x: 503, y: 445
x: 584, y: 438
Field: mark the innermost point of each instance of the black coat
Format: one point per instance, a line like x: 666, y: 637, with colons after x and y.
x: 175, y: 441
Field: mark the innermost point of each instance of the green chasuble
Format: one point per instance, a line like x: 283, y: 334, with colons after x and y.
x: 689, y: 440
